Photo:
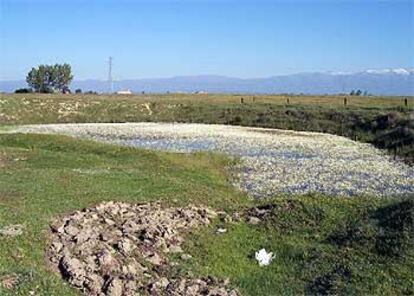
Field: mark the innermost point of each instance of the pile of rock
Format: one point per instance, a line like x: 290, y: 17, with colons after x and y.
x: 120, y: 249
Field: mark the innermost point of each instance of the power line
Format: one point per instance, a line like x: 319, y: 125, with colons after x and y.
x: 110, y: 81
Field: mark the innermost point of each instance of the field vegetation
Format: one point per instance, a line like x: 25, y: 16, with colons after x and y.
x: 322, y: 245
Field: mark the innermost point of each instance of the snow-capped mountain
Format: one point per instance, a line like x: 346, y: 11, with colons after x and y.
x: 398, y: 81
x: 397, y: 71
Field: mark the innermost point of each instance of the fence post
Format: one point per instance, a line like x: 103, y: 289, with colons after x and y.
x: 345, y: 101
x: 241, y: 100
x: 406, y: 102
x: 287, y: 101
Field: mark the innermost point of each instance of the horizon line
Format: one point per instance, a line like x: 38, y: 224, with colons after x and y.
x: 409, y: 70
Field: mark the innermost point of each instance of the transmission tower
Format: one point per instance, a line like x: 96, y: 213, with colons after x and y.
x: 110, y: 82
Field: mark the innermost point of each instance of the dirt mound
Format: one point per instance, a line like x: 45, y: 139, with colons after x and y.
x: 120, y: 249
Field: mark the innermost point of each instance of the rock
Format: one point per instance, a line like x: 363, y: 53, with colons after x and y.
x: 186, y: 257
x: 109, y: 222
x: 236, y: 217
x: 71, y: 230
x: 104, y: 258
x: 12, y: 230
x: 154, y: 259
x: 114, y: 288
x: 218, y: 291
x: 57, y: 226
x: 81, y: 236
x: 175, y: 249
x: 224, y: 217
x: 163, y: 282
x: 104, y: 237
x: 107, y: 263
x: 102, y: 250
x: 210, y: 213
x: 73, y: 269
x: 192, y: 290
x: 125, y: 246
x: 130, y: 288
x: 91, y: 264
x: 181, y: 286
x: 133, y: 269
x: 56, y: 247
x: 253, y: 220
x: 93, y: 283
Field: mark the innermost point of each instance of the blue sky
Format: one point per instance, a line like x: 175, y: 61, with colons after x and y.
x: 234, y: 38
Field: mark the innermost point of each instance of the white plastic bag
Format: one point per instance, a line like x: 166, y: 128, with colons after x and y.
x: 263, y: 257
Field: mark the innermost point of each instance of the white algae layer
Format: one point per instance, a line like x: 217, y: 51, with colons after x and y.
x: 272, y: 161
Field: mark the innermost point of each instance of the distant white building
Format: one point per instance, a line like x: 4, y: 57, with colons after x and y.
x: 124, y: 92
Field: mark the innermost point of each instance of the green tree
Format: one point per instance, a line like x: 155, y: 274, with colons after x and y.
x: 39, y: 79
x: 62, y: 76
x: 50, y: 78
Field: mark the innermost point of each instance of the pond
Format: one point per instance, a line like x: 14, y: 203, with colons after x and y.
x: 272, y: 162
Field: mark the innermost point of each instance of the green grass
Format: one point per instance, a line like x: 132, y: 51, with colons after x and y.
x: 256, y: 110
x: 321, y: 244
x: 39, y: 179
x: 309, y: 257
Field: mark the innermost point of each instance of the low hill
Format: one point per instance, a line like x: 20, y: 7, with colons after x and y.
x: 377, y: 82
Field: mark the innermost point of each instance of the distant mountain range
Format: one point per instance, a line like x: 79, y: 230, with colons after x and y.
x: 377, y: 82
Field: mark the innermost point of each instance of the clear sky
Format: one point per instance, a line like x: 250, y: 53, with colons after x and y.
x: 235, y: 38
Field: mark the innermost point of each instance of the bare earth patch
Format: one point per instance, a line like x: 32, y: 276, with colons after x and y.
x: 9, y: 281
x: 121, y: 249
x: 11, y: 230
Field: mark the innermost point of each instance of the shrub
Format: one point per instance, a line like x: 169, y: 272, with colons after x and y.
x: 23, y: 91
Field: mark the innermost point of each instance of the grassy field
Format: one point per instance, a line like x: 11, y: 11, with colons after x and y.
x: 41, y: 177
x: 322, y: 245
x: 385, y: 122
x: 53, y: 108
